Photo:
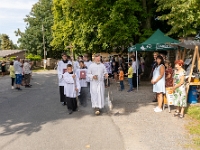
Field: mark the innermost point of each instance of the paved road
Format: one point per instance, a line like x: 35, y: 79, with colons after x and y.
x: 33, y: 119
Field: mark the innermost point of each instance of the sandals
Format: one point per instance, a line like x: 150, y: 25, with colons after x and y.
x: 181, y: 116
x: 176, y: 114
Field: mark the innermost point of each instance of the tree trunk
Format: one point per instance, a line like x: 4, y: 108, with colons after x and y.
x: 146, y: 8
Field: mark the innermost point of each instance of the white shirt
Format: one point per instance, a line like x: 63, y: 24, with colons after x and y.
x: 134, y: 66
x: 69, y: 85
x: 27, y: 68
x: 61, y: 67
x: 83, y: 82
x: 87, y: 63
x: 18, y: 67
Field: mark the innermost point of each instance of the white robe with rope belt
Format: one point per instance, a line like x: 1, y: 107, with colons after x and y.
x: 97, y: 87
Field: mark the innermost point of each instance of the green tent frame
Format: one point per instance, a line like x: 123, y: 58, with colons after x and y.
x: 156, y: 42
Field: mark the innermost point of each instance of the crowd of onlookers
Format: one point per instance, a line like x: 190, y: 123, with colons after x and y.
x: 20, y: 73
x: 117, y: 68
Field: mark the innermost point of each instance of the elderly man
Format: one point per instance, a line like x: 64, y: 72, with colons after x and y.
x: 27, y: 73
x: 97, y: 72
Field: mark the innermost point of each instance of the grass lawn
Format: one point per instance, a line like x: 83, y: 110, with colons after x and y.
x: 193, y: 113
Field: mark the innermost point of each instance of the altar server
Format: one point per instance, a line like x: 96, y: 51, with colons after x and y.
x: 71, y: 89
x: 82, y: 75
x: 62, y: 65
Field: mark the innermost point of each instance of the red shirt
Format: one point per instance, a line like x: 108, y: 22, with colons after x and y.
x: 169, y: 81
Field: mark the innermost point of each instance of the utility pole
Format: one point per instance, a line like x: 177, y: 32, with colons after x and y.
x: 45, y: 61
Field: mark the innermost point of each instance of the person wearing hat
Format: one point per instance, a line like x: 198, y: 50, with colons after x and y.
x: 97, y: 73
x: 62, y: 65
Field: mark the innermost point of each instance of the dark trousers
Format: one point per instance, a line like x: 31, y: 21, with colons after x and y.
x: 135, y: 80
x: 27, y: 79
x: 107, y: 82
x: 84, y: 95
x: 62, y: 96
x: 71, y: 103
x: 12, y: 81
x: 121, y: 85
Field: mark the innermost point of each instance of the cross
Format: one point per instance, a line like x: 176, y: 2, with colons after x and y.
x: 70, y: 47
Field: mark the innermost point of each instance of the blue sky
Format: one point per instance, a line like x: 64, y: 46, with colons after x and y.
x: 12, y: 13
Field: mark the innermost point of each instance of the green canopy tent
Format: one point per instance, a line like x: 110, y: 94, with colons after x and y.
x: 158, y: 41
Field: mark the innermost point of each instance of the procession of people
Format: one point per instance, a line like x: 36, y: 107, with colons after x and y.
x: 83, y: 80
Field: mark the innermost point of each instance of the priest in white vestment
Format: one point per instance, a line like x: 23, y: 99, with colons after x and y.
x: 97, y: 73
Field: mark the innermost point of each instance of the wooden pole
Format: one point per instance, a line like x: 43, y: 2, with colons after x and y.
x: 197, y: 49
x: 191, y: 70
x: 180, y: 54
x: 183, y: 56
x: 45, y: 62
x: 177, y: 53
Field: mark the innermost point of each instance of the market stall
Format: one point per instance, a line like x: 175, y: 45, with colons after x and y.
x: 158, y: 41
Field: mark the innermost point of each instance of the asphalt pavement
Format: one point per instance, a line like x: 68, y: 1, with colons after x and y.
x: 34, y: 119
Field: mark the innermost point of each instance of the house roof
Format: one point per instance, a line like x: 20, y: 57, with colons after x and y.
x: 6, y: 53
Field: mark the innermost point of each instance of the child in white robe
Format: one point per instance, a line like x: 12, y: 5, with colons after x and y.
x: 62, y: 65
x: 71, y: 88
x: 82, y: 75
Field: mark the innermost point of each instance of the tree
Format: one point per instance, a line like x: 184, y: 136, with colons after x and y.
x: 96, y: 25
x: 182, y: 15
x: 6, y: 43
x: 32, y: 38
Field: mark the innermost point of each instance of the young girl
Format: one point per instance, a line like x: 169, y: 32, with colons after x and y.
x: 71, y: 88
x: 12, y: 74
x: 121, y: 78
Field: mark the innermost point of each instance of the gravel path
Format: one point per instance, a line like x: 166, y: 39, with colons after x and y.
x: 141, y: 127
x: 33, y: 119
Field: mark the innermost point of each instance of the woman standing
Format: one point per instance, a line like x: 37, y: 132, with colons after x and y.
x: 179, y: 89
x: 3, y: 68
x: 12, y: 74
x: 158, y: 82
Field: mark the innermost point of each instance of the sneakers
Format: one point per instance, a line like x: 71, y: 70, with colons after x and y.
x: 157, y: 109
x: 129, y: 90
x: 12, y: 87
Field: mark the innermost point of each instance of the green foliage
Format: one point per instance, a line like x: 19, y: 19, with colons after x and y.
x: 6, y: 43
x: 33, y: 57
x: 194, y: 124
x: 32, y: 38
x: 12, y: 58
x: 182, y: 15
x: 99, y: 25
